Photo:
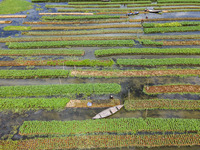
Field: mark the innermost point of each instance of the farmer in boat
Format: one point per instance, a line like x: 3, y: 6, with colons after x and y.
x: 142, y: 21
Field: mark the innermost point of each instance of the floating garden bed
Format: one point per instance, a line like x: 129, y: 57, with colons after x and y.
x: 38, y: 33
x: 106, y: 3
x: 147, y: 51
x: 35, y: 39
x: 92, y: 103
x: 121, y: 125
x: 83, y: 6
x: 36, y: 52
x: 85, y: 62
x: 152, y: 104
x: 133, y: 73
x: 192, y: 36
x: 104, y: 141
x: 178, y: 1
x: 83, y: 43
x: 25, y: 104
x: 13, y: 16
x: 21, y: 28
x: 40, y: 73
x: 174, y: 43
x: 124, y: 10
x: 162, y: 19
x: 5, y: 22
x: 159, y: 62
x: 163, y: 4
x: 61, y: 90
x: 171, y: 89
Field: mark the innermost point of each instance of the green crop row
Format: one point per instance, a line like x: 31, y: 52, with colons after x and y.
x: 166, y: 4
x: 105, y: 3
x: 178, y: 7
x: 159, y: 62
x: 152, y: 104
x: 121, y: 125
x: 85, y: 62
x: 171, y: 24
x: 101, y: 10
x: 147, y: 51
x: 150, y: 42
x: 39, y: 33
x: 19, y: 28
x: 183, y: 10
x: 172, y: 29
x: 82, y: 6
x: 67, y: 52
x: 104, y: 141
x: 24, y: 104
x: 61, y: 90
x: 78, y: 17
x: 83, y: 43
x: 181, y: 37
x: 41, y: 73
x: 178, y: 1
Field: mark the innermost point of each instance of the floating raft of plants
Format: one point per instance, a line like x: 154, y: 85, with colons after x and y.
x: 25, y: 104
x: 162, y: 19
x: 134, y: 73
x: 152, y: 104
x: 121, y: 125
x: 85, y: 62
x: 172, y: 89
x: 64, y: 89
x: 83, y: 43
x: 5, y: 22
x: 104, y: 141
x: 13, y: 16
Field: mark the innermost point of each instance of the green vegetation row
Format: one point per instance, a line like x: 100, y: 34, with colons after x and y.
x: 82, y: 6
x: 35, y: 39
x: 153, y: 104
x: 82, y: 2
x: 7, y: 6
x: 25, y: 104
x: 147, y: 51
x: 59, y: 17
x: 61, y: 90
x: 101, y: 10
x: 24, y: 28
x: 40, y: 73
x: 104, y: 141
x: 36, y: 52
x: 163, y: 4
x: 159, y: 62
x: 155, y: 37
x: 171, y: 24
x: 84, y: 43
x: 184, y: 10
x: 178, y: 1
x: 172, y: 29
x: 39, y: 33
x: 85, y: 62
x: 121, y: 125
x: 148, y: 42
x: 178, y: 7
x: 105, y: 3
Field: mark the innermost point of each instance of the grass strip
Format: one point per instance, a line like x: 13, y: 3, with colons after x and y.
x: 104, y: 3
x: 171, y: 24
x: 85, y: 62
x: 60, y: 17
x: 36, y: 52
x: 21, y: 28
x: 171, y: 29
x: 14, y: 6
x: 121, y: 125
x: 40, y: 73
x: 163, y: 4
x: 25, y: 104
x: 159, y: 62
x: 178, y: 1
x: 147, y: 51
x: 35, y: 39
x: 83, y: 43
x: 61, y: 90
x: 172, y: 89
x: 133, y: 73
x: 152, y: 104
x: 180, y: 37
x: 104, y: 141
x: 83, y: 6
x: 162, y: 19
x: 53, y: 33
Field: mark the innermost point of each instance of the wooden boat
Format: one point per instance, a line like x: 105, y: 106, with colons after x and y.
x: 108, y: 112
x: 153, y: 11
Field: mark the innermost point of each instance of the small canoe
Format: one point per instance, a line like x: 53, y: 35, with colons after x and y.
x: 108, y: 112
x: 155, y: 11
